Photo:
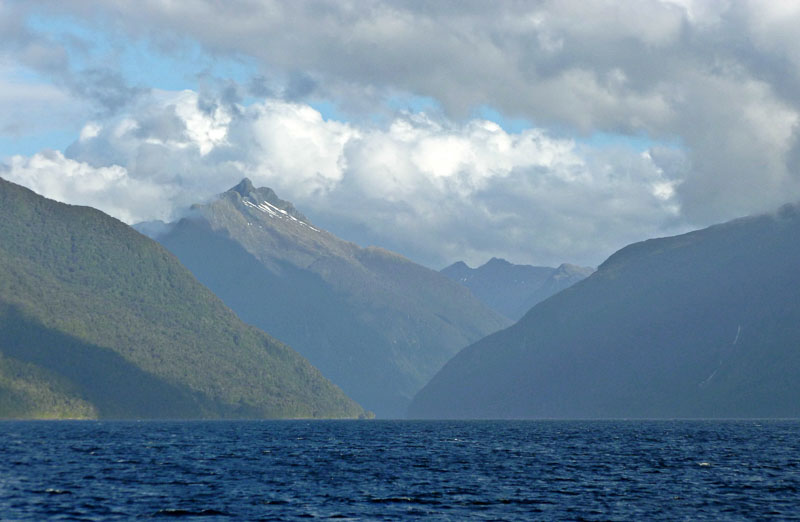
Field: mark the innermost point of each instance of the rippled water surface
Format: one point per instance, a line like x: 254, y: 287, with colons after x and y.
x: 280, y: 470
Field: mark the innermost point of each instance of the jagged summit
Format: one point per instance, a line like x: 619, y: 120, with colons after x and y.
x: 497, y: 262
x: 265, y: 199
x: 512, y: 289
x: 458, y: 265
x: 244, y: 188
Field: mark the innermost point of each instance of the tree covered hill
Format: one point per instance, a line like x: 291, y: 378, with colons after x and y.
x: 97, y: 320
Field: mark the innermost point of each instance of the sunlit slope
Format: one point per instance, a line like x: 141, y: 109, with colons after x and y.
x: 705, y: 324
x: 97, y: 320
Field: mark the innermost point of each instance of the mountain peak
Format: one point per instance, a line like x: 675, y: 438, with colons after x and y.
x: 244, y: 188
x: 265, y: 199
x: 458, y: 265
x: 497, y: 261
x: 569, y: 269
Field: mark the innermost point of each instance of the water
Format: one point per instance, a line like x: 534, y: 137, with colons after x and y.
x: 390, y: 470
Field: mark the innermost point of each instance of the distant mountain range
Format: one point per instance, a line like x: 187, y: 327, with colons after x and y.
x: 512, y: 290
x: 98, y: 321
x: 706, y: 324
x: 372, y: 321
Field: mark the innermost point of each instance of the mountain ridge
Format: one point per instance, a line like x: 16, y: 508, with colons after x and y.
x: 512, y: 289
x: 376, y: 323
x: 113, y: 325
x: 704, y: 324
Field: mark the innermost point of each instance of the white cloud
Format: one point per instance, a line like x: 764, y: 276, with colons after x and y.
x: 675, y: 70
x: 29, y: 107
x: 290, y: 145
x: 89, y: 131
x: 714, y: 86
x: 109, y: 189
x: 205, y: 129
x: 432, y: 188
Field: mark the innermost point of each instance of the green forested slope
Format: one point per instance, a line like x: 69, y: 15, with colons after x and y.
x: 98, y: 320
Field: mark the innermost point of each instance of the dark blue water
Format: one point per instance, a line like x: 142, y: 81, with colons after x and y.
x: 397, y: 470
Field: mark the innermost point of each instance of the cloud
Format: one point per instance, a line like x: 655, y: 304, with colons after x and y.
x: 31, y: 106
x: 714, y: 86
x: 106, y: 89
x: 97, y: 85
x: 109, y: 189
x: 722, y: 79
x: 432, y: 188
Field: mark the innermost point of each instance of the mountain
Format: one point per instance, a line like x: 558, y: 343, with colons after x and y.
x: 97, y: 320
x: 705, y: 324
x: 511, y: 289
x: 372, y: 321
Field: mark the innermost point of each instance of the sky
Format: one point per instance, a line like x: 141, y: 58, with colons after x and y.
x: 540, y: 132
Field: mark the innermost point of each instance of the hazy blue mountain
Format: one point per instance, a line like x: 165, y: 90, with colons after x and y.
x: 705, y: 324
x: 372, y: 321
x: 511, y: 289
x: 97, y: 320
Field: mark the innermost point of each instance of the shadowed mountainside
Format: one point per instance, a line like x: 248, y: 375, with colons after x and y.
x: 706, y: 324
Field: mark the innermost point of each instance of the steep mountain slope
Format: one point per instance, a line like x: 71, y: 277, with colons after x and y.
x: 375, y: 323
x: 705, y: 324
x: 97, y: 320
x: 511, y: 289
